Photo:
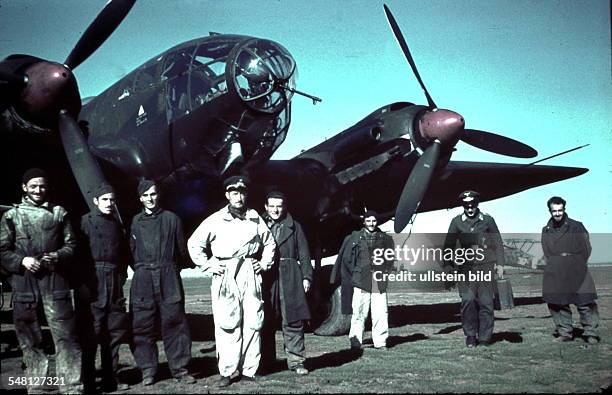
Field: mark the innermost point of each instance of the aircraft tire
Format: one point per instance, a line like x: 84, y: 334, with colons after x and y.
x: 336, y: 323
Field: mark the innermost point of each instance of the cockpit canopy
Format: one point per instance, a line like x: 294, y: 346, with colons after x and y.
x: 262, y: 71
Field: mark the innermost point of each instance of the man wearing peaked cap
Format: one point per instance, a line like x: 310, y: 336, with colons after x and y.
x: 233, y: 246
x: 105, y: 257
x: 476, y: 231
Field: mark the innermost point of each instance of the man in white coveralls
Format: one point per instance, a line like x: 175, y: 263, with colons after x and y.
x: 234, y: 246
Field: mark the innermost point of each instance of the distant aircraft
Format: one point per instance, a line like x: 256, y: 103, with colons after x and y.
x: 221, y: 105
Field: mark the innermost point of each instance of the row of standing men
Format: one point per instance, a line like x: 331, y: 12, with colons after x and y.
x: 41, y: 251
x: 250, y: 259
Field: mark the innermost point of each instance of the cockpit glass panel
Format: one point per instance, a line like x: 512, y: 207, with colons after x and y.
x: 208, y: 71
x: 176, y: 73
x: 263, y: 70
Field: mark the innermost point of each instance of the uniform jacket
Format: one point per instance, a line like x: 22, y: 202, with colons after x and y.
x: 566, y: 276
x: 159, y: 250
x: 479, y: 232
x: 353, y: 267
x: 158, y: 239
x: 291, y: 266
x: 106, y: 240
x: 104, y: 251
x: 28, y: 230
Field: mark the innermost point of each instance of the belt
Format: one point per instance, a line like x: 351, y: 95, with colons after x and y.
x: 565, y: 254
x: 105, y: 264
x: 153, y: 266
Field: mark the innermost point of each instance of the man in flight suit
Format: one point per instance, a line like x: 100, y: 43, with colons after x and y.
x: 477, y: 231
x: 234, y: 246
x: 105, y: 252
x: 36, y: 244
x: 158, y: 249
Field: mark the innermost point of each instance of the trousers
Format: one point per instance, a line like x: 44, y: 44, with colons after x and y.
x: 363, y: 302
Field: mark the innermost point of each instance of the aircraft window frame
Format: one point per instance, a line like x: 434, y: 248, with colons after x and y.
x: 217, y: 81
x: 176, y: 105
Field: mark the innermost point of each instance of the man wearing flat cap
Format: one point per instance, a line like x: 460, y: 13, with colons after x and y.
x: 156, y: 295
x: 363, y: 290
x: 36, y: 245
x: 476, y: 231
x: 233, y: 246
x: 105, y: 255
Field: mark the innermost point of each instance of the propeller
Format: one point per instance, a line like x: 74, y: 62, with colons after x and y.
x: 498, y: 144
x: 440, y: 130
x: 47, y: 95
x: 98, y: 31
x: 402, y: 43
x: 84, y: 167
x: 416, y: 186
x: 82, y: 162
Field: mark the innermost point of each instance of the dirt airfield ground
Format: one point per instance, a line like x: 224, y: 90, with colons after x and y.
x: 426, y: 350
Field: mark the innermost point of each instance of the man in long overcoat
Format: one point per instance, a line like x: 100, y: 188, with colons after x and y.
x: 567, y: 279
x: 285, y: 286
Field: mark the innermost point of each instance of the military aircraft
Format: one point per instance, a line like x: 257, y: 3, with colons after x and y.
x: 221, y: 105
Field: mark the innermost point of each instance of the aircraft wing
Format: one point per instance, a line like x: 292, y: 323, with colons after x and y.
x: 491, y: 180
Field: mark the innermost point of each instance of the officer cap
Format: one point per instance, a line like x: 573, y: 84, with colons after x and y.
x: 469, y: 197
x: 33, y: 173
x: 102, y: 189
x: 236, y: 183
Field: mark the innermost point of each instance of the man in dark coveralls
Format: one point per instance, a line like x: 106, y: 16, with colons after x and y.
x: 105, y: 254
x: 285, y: 286
x: 158, y: 248
x: 477, y: 231
x: 567, y: 279
x: 36, y: 244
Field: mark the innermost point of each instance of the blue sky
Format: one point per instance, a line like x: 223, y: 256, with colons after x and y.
x: 536, y: 71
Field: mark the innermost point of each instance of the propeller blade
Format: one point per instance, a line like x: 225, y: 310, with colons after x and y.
x: 499, y: 144
x: 12, y: 80
x: 98, y: 31
x: 416, y: 186
x: 84, y: 167
x: 402, y: 43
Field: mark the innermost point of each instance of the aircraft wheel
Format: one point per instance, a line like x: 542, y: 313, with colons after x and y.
x: 336, y: 323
